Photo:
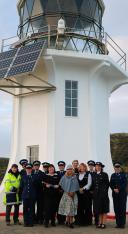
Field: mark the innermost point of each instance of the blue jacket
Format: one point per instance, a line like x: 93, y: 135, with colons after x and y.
x: 118, y: 181
x: 28, y: 186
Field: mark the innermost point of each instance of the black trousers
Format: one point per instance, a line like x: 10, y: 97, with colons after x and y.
x: 28, y: 211
x: 50, y: 208
x: 60, y: 218
x: 8, y: 212
x: 39, y: 211
x: 84, y: 213
x: 119, y: 202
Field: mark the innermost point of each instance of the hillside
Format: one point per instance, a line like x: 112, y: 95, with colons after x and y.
x: 3, y: 167
x: 119, y: 148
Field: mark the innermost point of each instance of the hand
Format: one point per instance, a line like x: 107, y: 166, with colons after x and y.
x: 47, y: 185
x: 71, y: 194
x: 13, y: 189
x: 81, y: 190
x: 56, y: 186
x: 116, y: 190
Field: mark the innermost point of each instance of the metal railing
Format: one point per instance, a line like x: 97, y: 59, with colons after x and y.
x: 115, y: 51
x: 107, y: 45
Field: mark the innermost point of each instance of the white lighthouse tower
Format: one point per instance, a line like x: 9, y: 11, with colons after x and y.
x: 61, y: 77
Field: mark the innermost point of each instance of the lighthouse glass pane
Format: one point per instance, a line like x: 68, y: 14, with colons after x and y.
x: 52, y: 6
x: 71, y: 98
x: 37, y: 8
x: 66, y: 5
x: 30, y: 6
x: 25, y: 13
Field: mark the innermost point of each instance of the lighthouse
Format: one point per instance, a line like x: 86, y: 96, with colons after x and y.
x: 61, y: 77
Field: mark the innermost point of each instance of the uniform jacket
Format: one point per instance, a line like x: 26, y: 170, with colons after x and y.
x: 118, y: 181
x: 28, y: 186
x: 100, y: 184
x: 61, y: 174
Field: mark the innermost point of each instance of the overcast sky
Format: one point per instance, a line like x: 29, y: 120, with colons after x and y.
x: 115, y: 23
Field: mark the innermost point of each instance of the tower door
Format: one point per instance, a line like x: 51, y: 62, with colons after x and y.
x: 33, y: 153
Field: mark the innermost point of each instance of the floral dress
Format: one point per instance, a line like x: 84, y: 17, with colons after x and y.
x: 68, y: 205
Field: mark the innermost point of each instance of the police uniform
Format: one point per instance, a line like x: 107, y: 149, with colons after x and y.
x: 45, y: 167
x: 119, y: 181
x: 84, y: 214
x: 61, y: 173
x: 100, y: 192
x: 28, y: 185
x: 51, y: 198
x: 39, y: 175
x: 23, y: 163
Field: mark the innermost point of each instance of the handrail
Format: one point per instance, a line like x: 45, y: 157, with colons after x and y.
x: 104, y: 42
x: 112, y: 45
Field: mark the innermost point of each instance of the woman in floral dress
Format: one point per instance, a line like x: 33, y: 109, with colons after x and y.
x: 69, y: 201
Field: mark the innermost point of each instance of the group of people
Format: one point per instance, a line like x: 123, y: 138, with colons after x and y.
x: 73, y: 194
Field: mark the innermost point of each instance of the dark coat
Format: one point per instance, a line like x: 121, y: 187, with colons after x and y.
x: 118, y: 181
x: 100, y: 193
x: 28, y: 186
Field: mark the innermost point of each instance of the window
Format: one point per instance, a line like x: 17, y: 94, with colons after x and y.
x: 33, y: 153
x: 71, y: 98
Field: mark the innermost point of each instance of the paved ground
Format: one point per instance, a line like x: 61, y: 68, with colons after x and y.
x: 60, y: 229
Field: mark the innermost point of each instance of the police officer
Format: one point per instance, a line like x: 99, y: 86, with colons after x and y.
x: 100, y: 194
x: 118, y: 184
x: 39, y: 175
x: 61, y: 172
x: 28, y: 185
x: 91, y: 166
x: 23, y: 163
x: 45, y: 167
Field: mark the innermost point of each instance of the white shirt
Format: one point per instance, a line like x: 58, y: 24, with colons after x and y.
x: 88, y: 185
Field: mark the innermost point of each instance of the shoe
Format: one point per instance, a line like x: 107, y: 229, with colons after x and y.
x: 103, y: 226
x: 30, y: 225
x: 46, y: 225
x: 122, y: 227
x: 67, y: 224
x: 17, y: 223
x: 53, y: 224
x: 25, y: 225
x: 41, y: 222
x: 8, y: 224
x: 116, y: 226
x: 98, y: 226
x: 71, y: 225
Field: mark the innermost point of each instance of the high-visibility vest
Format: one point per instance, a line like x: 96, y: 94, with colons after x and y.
x: 10, y: 182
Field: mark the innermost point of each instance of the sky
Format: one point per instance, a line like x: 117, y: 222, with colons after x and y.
x: 115, y: 23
